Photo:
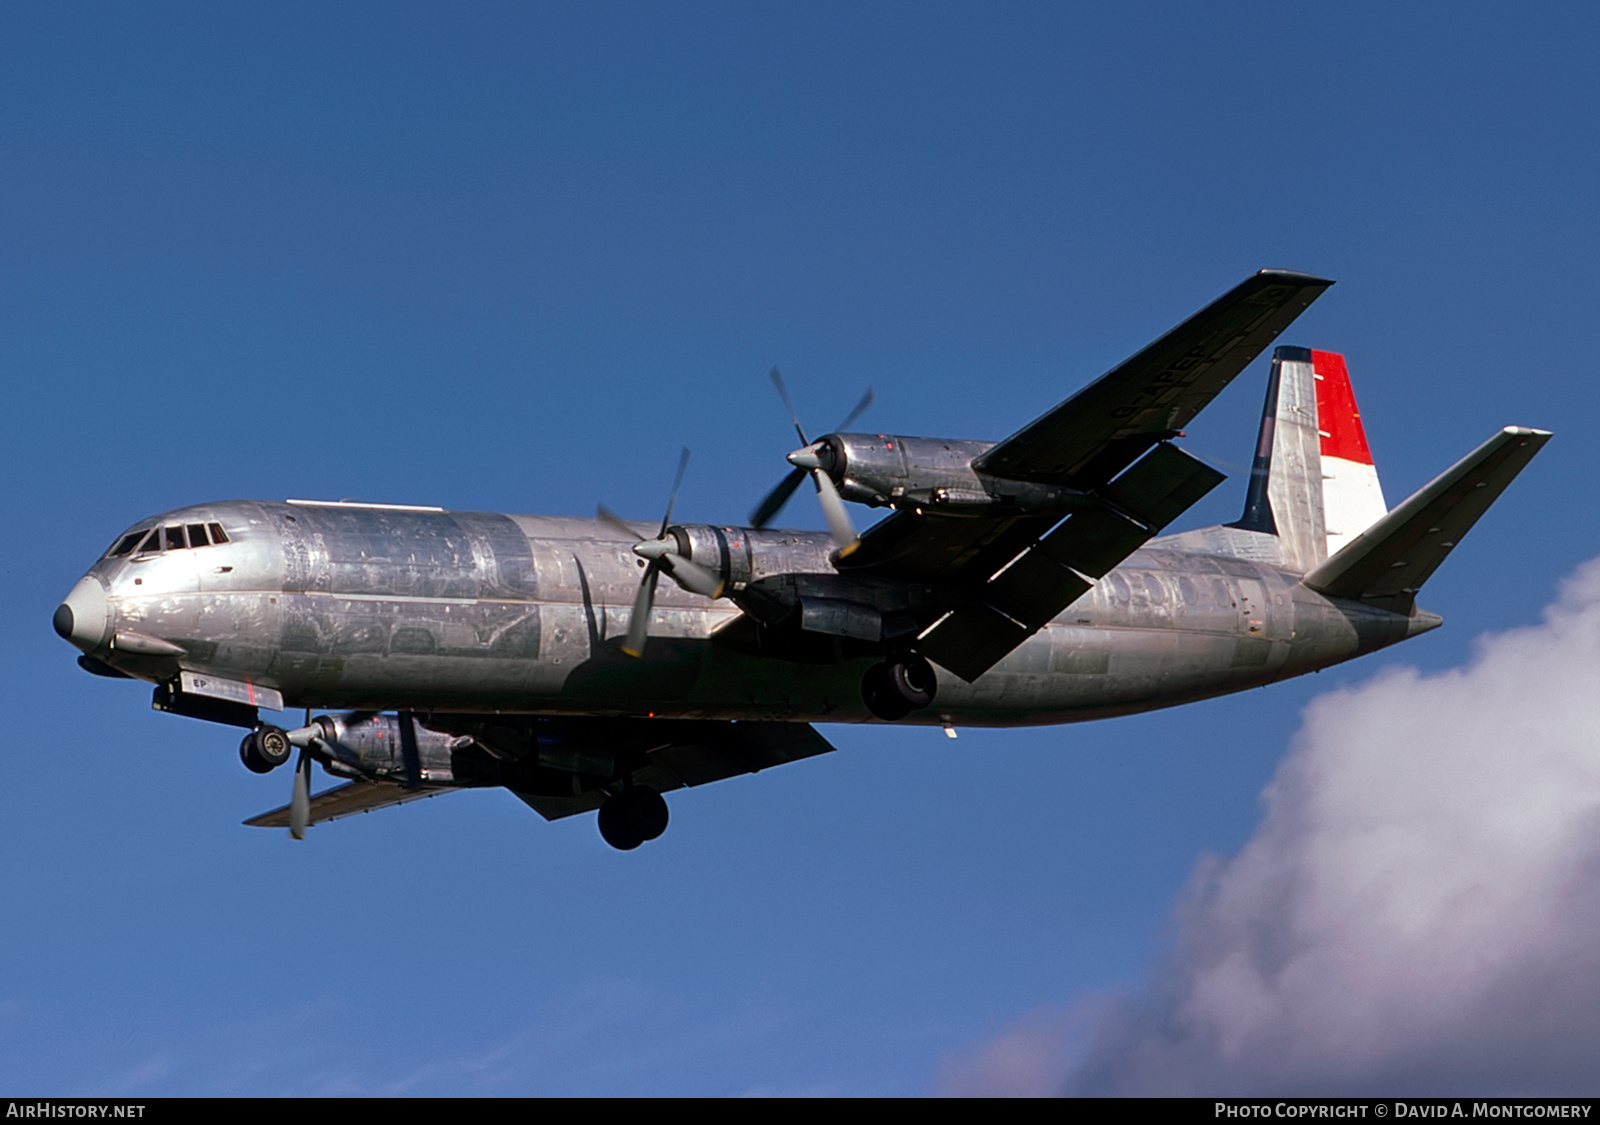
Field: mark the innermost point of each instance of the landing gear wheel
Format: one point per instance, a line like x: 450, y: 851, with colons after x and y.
x: 633, y: 816
x: 912, y: 679
x: 649, y: 811
x: 265, y: 749
x: 878, y: 696
x: 900, y: 685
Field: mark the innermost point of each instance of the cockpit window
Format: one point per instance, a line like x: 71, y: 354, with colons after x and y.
x: 127, y: 542
x: 147, y: 541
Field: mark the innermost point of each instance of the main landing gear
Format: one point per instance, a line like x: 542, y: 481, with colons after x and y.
x: 631, y: 817
x: 265, y: 749
x: 898, y: 686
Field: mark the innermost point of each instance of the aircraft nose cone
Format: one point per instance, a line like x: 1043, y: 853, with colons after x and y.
x: 85, y: 617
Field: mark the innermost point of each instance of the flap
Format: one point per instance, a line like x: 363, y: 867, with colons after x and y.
x: 1055, y: 571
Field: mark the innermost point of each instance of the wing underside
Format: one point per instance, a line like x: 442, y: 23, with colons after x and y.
x: 348, y: 799
x: 664, y: 754
x: 697, y: 752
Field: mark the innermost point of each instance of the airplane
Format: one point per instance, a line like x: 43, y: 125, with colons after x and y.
x: 1012, y: 583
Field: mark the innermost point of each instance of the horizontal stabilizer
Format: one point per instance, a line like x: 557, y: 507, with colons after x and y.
x: 347, y: 800
x: 1389, y: 562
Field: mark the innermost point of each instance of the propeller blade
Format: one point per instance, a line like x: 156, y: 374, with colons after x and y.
x: 783, y: 393
x: 408, y: 750
x: 683, y: 463
x: 838, y: 522
x: 692, y: 576
x: 844, y: 535
x: 300, y: 799
x: 609, y: 517
x: 776, y: 499
x: 639, y: 621
x: 861, y: 408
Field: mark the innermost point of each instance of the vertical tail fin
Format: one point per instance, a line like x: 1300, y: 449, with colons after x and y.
x: 1313, y: 483
x: 1352, y: 498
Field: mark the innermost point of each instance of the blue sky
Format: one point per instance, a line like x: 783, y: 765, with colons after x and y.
x: 510, y: 258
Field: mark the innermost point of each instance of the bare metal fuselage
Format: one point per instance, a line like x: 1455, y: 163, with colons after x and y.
x: 427, y: 610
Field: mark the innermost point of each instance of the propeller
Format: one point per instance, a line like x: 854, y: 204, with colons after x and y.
x: 300, y: 797
x: 808, y: 459
x: 307, y: 737
x: 409, y: 756
x: 662, y: 555
x: 300, y: 801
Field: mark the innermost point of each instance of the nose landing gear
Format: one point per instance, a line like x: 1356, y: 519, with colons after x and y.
x: 900, y: 685
x: 631, y: 817
x: 265, y: 749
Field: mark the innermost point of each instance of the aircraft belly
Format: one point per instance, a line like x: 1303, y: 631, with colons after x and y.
x: 1068, y: 673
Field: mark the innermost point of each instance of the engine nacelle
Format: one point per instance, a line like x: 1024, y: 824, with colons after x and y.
x: 742, y: 555
x: 362, y: 744
x: 932, y: 475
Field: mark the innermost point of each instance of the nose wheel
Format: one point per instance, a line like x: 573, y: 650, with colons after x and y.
x: 898, y: 686
x: 631, y: 817
x: 265, y: 749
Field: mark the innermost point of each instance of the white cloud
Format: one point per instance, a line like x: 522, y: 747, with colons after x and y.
x: 1029, y: 1058
x: 1419, y: 910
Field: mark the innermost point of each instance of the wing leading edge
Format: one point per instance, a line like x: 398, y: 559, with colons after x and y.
x: 1109, y: 424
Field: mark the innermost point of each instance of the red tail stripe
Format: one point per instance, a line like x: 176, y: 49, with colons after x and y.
x: 1338, y: 417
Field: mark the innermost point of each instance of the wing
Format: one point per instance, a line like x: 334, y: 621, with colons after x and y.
x: 1109, y: 441
x: 1086, y: 441
x: 678, y: 753
x: 697, y: 752
x: 1109, y: 424
x: 347, y: 800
